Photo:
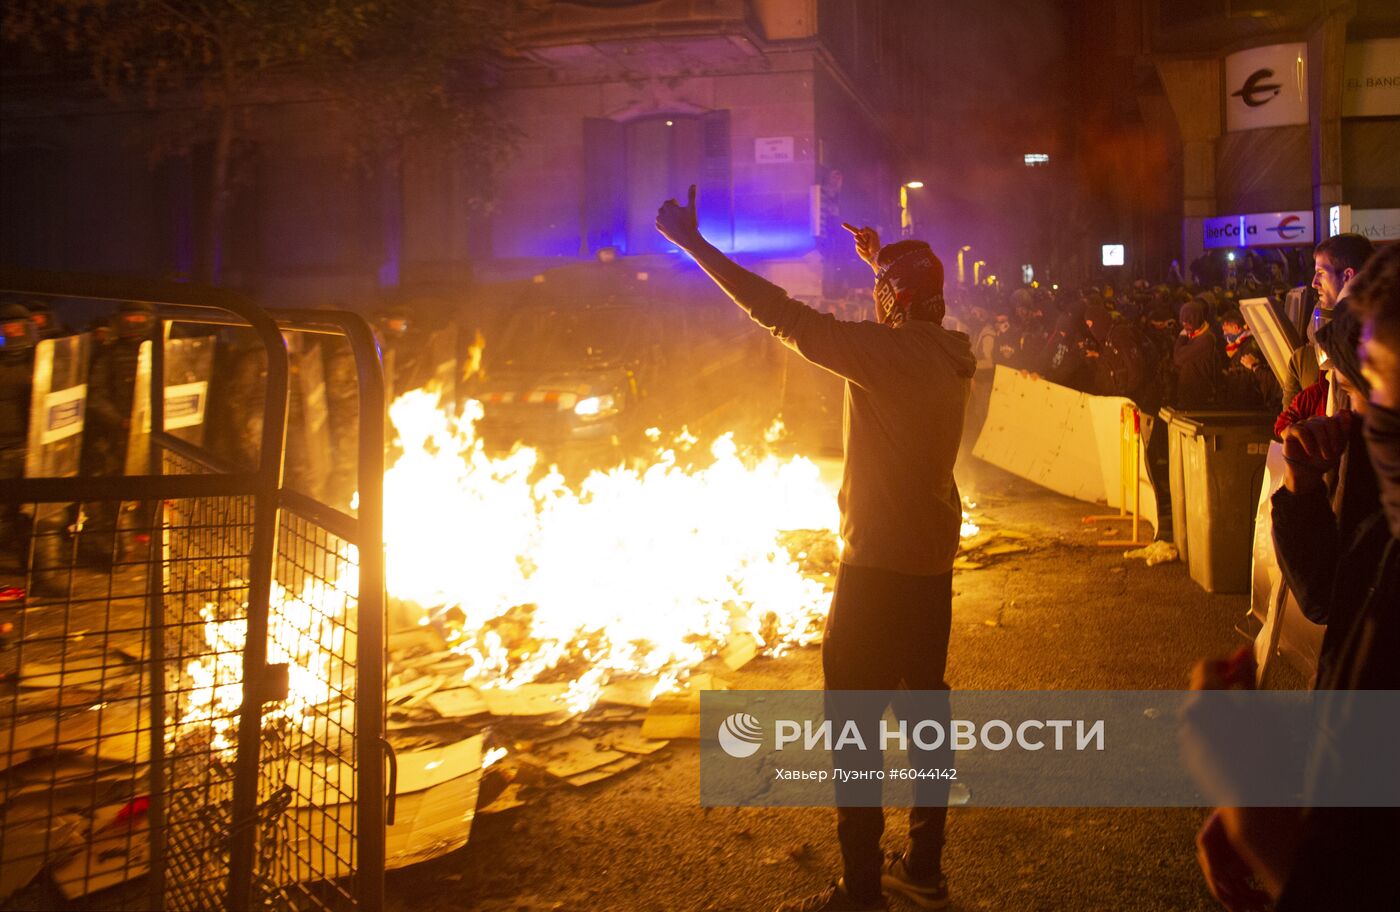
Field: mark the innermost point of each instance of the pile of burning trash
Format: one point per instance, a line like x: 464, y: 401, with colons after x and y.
x: 573, y: 627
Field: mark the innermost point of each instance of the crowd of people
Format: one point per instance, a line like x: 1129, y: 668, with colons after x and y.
x: 1182, y: 345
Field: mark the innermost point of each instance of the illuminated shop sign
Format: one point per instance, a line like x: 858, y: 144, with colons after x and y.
x: 1264, y: 229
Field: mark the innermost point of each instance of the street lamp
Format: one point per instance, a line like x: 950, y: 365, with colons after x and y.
x: 977, y: 272
x: 962, y: 272
x: 906, y: 216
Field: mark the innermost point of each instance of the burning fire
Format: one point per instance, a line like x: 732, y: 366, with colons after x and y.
x: 306, y: 632
x: 637, y: 571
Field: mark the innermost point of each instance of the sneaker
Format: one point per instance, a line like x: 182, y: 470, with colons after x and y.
x: 833, y: 899
x: 926, y: 893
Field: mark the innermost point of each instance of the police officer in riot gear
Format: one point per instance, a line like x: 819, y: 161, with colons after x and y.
x: 407, y: 365
x: 46, y: 323
x: 111, y: 389
x: 17, y: 341
x: 343, y: 419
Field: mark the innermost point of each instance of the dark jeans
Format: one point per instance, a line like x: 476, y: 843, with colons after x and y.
x: 1159, y: 474
x: 887, y: 631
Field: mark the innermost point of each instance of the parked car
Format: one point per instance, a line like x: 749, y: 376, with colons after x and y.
x: 581, y: 369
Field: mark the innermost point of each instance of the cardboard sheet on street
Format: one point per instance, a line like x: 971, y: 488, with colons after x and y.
x: 79, y: 672
x: 630, y: 741
x: 635, y: 692
x: 52, y: 772
x: 1059, y: 438
x: 570, y: 756
x: 410, y: 693
x: 118, y: 851
x: 333, y: 783
x: 507, y: 800
x: 457, y: 704
x: 739, y: 651
x: 431, y: 823
x: 525, y: 700
x: 117, y: 731
x: 327, y: 722
x: 676, y: 715
x: 26, y: 847
x: 424, y: 769
x: 427, y: 824
x: 606, y: 771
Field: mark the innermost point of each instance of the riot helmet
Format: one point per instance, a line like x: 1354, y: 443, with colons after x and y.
x: 42, y: 315
x: 17, y: 332
x: 135, y: 320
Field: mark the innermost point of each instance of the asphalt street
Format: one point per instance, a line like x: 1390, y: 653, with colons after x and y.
x: 1065, y: 615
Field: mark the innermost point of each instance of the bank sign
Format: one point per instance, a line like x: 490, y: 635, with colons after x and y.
x: 1266, y: 87
x: 1264, y: 229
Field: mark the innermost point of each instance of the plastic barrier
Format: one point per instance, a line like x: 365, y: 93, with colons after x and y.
x: 1285, y: 634
x: 1130, y: 455
x: 1064, y: 440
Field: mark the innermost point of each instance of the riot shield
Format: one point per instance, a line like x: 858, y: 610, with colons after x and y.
x: 343, y: 411
x: 58, y: 404
x: 138, y: 440
x: 189, y: 365
x: 308, y: 431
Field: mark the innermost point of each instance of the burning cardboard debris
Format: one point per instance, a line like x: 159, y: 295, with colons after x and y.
x: 636, y: 571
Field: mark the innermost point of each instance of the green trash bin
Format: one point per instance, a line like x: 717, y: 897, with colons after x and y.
x: 1217, y: 468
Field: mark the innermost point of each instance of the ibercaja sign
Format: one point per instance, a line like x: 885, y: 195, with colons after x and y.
x: 1293, y: 228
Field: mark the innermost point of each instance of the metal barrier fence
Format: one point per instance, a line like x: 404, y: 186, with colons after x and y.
x: 199, y: 725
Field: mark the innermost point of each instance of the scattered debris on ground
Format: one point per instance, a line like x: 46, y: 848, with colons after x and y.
x: 989, y: 545
x: 1159, y: 552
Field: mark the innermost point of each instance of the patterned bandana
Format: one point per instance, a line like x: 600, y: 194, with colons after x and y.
x: 903, y: 287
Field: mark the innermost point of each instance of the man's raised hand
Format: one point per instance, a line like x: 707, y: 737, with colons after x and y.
x: 680, y: 224
x: 867, y: 243
x: 1314, y: 447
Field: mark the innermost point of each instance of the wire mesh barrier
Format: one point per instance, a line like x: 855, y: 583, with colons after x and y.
x: 76, y: 756
x: 192, y: 708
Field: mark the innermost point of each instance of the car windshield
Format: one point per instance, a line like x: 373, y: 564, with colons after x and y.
x: 557, y: 337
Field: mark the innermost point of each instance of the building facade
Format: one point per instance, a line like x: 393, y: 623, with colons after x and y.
x: 1288, y: 115
x: 790, y: 115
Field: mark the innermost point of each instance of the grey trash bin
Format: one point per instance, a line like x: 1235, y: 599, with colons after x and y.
x: 1217, y: 467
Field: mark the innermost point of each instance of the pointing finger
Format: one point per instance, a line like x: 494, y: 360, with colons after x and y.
x: 692, y: 196
x: 851, y: 228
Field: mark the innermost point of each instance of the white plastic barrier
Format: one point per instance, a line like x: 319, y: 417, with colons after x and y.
x: 1286, y: 634
x: 1063, y: 440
